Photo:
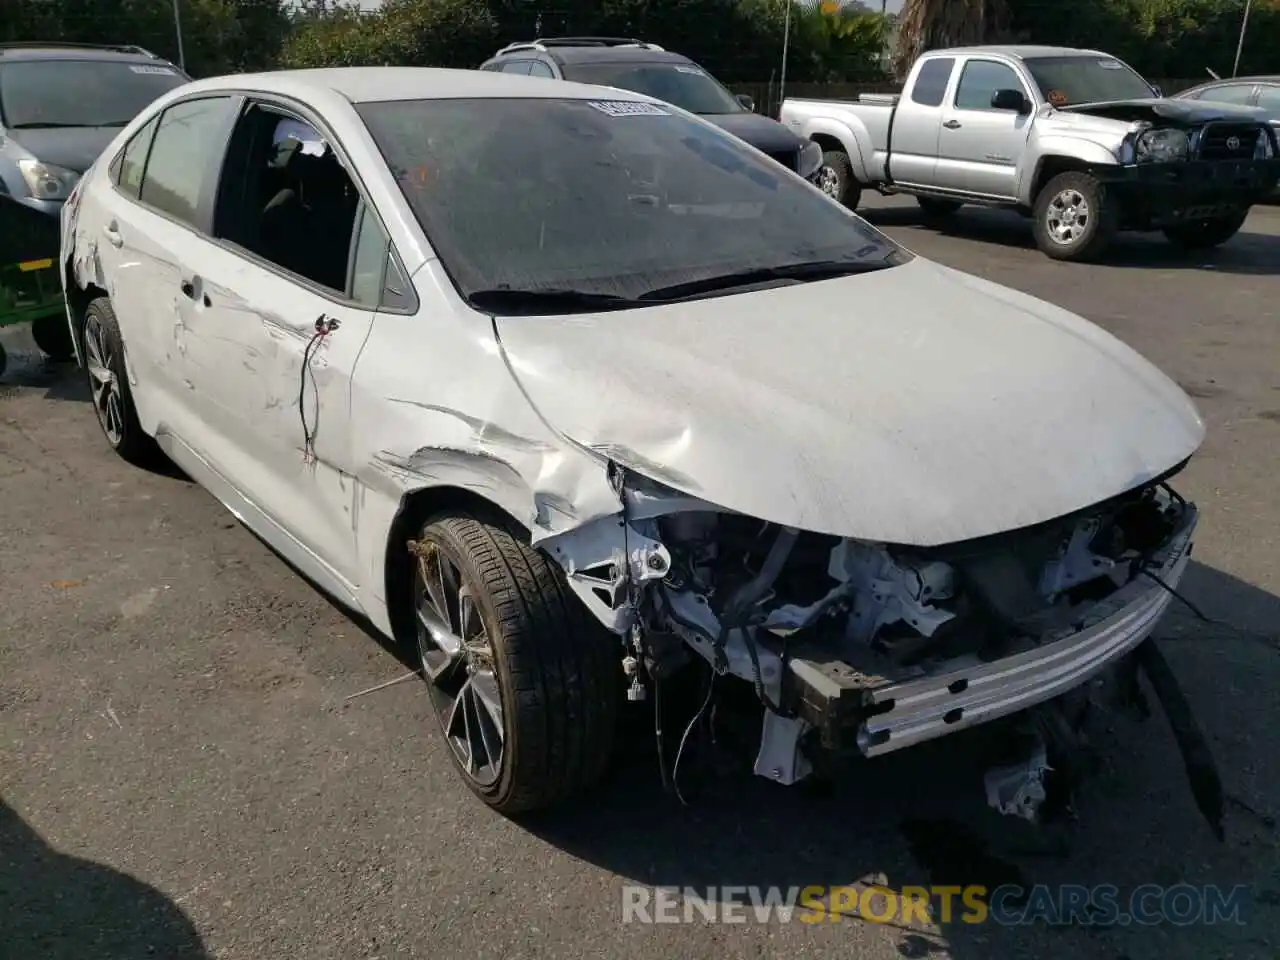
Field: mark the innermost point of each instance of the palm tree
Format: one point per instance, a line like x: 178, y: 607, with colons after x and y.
x: 930, y: 24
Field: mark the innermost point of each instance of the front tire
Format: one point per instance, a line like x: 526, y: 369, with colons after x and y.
x: 836, y: 180
x: 523, y: 681
x: 1073, y: 219
x: 109, y: 386
x: 1205, y: 234
x: 52, y: 337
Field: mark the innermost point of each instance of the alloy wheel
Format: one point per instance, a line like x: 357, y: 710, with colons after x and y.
x: 104, y: 385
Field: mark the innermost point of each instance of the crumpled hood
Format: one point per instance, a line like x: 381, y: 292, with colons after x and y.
x: 763, y: 133
x: 1166, y: 108
x: 915, y: 405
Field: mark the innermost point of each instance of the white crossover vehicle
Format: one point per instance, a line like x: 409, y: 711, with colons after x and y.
x: 577, y: 391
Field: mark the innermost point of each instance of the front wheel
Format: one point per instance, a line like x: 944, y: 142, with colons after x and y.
x: 1204, y: 234
x: 835, y: 179
x: 523, y: 681
x: 1073, y: 217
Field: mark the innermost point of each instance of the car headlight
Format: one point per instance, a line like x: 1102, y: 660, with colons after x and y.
x: 1263, y: 150
x: 810, y: 159
x: 1162, y: 146
x: 47, y: 182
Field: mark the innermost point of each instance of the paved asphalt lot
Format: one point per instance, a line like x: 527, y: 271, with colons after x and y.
x: 181, y: 777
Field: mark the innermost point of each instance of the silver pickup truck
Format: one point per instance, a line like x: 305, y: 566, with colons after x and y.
x: 1074, y: 139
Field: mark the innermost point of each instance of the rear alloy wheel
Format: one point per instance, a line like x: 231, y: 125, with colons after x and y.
x: 1204, y: 234
x: 109, y: 386
x: 523, y: 682
x: 835, y: 179
x: 1073, y: 218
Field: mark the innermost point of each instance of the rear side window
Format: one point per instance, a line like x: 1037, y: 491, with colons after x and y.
x: 516, y: 66
x: 1269, y: 99
x: 931, y: 82
x: 188, y: 147
x: 1240, y: 93
x: 134, y: 159
x: 540, y: 69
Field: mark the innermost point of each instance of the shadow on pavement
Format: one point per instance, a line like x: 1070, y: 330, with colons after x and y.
x: 1246, y: 253
x: 56, y: 907
x: 919, y: 817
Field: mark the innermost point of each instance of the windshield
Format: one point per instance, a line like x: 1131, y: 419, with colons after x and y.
x: 80, y: 93
x: 688, y: 86
x: 1065, y: 81
x: 618, y: 198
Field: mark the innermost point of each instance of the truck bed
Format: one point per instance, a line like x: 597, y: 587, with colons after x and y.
x: 862, y: 124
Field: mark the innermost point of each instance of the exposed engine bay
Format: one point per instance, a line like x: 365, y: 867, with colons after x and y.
x: 864, y: 648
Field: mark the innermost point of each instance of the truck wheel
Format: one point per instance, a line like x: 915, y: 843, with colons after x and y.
x: 1203, y: 234
x: 1073, y: 219
x: 835, y: 179
x: 933, y: 207
x: 523, y: 681
x: 109, y: 386
x: 52, y: 337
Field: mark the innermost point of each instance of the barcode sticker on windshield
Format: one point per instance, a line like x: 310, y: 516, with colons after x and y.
x: 694, y: 70
x: 1110, y: 64
x: 153, y: 71
x: 629, y: 108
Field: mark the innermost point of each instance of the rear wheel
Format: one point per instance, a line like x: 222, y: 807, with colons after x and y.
x: 523, y: 681
x: 109, y: 386
x: 934, y: 207
x: 835, y: 179
x: 1204, y: 234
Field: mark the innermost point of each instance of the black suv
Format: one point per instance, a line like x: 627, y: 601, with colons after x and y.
x: 649, y: 69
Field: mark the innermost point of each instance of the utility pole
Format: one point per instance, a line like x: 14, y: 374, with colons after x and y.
x: 177, y: 25
x: 1244, y: 23
x: 786, y: 44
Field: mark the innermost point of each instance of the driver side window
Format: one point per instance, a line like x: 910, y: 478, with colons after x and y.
x: 979, y: 82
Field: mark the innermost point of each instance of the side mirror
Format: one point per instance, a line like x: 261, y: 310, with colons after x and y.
x: 747, y: 102
x: 1014, y: 100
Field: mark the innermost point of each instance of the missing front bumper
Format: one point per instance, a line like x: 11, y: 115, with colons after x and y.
x: 872, y: 708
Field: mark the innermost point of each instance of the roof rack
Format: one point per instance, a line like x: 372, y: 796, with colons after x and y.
x: 543, y: 43
x: 69, y: 45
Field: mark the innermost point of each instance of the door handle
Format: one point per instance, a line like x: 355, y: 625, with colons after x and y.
x: 112, y: 232
x: 952, y: 124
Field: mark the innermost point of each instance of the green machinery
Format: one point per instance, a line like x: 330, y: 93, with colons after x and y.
x: 30, y: 287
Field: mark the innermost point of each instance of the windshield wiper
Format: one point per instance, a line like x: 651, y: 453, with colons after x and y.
x: 40, y: 125
x: 808, y: 270
x: 545, y: 300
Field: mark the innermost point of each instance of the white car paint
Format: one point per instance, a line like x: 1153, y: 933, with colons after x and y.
x: 914, y: 406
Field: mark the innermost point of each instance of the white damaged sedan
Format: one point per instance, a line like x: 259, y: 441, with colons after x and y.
x: 576, y: 392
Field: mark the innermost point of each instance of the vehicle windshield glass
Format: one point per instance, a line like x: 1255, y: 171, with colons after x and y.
x: 79, y: 93
x: 608, y: 197
x: 1066, y: 81
x: 688, y: 86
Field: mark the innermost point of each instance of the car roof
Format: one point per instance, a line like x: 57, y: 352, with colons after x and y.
x: 1023, y: 51
x: 76, y: 51
x: 383, y: 84
x: 584, y: 54
x: 1269, y: 78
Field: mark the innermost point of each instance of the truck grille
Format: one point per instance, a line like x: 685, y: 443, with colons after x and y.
x: 1228, y: 141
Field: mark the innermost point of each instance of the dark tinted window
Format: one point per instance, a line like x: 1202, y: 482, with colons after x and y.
x: 539, y: 69
x: 980, y: 80
x: 686, y: 85
x: 1240, y: 93
x: 609, y: 197
x: 134, y: 158
x: 188, y: 146
x: 1070, y: 80
x: 80, y: 93
x: 931, y: 82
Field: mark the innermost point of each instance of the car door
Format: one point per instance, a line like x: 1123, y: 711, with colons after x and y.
x: 280, y: 309
x: 913, y: 135
x: 143, y: 231
x: 979, y: 146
